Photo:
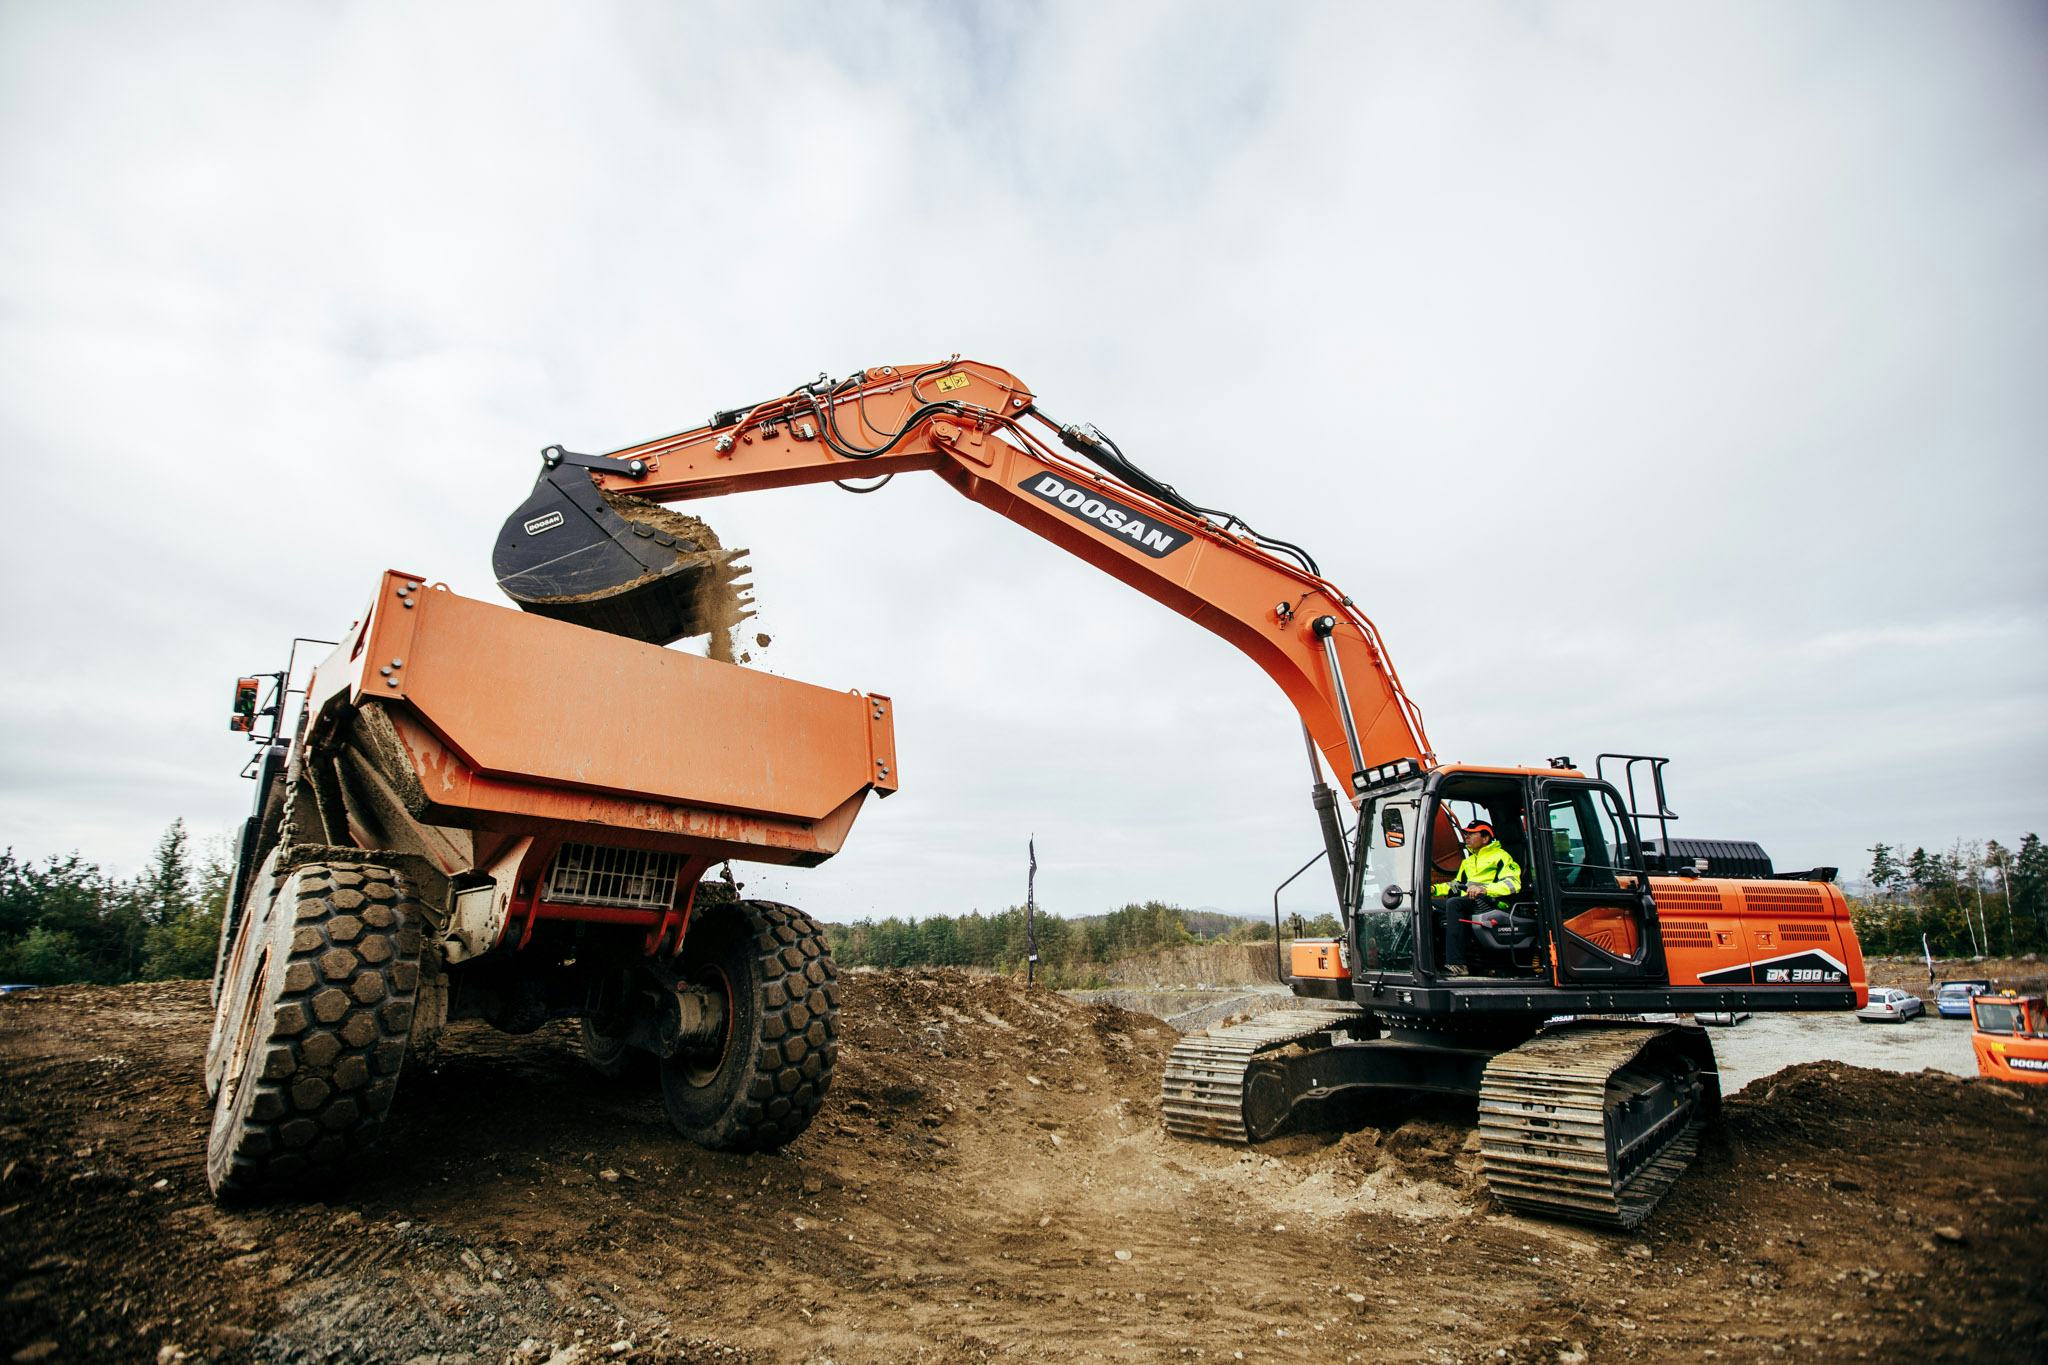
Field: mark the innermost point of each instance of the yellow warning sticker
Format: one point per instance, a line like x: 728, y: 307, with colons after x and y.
x: 947, y: 383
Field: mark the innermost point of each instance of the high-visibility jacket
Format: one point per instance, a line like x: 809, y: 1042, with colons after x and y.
x: 1489, y: 872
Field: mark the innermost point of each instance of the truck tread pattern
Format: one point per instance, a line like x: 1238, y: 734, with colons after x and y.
x: 796, y: 1043
x: 324, y: 1065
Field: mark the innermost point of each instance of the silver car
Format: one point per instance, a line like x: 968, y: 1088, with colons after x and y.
x: 1890, y: 1006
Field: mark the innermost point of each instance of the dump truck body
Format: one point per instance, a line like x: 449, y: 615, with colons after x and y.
x: 486, y: 813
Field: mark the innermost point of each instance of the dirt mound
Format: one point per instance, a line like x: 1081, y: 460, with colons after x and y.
x: 987, y: 1180
x: 721, y: 603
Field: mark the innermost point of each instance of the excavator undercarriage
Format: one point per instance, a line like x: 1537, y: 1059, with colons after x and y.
x: 1589, y: 1121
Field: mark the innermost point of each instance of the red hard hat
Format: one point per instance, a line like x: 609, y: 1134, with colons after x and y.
x: 1481, y: 827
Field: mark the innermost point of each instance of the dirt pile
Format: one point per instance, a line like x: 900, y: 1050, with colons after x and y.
x: 987, y: 1181
x: 720, y: 603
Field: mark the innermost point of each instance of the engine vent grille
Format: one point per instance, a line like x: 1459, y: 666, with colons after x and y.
x: 1805, y: 933
x: 628, y: 878
x: 1781, y: 900
x: 1697, y: 900
x: 1679, y: 933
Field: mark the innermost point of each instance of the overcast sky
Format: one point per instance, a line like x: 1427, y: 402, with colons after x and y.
x: 1658, y: 377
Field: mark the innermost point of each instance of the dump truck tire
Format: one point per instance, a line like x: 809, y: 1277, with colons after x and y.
x: 759, y: 1087
x: 614, y: 1057
x: 223, y: 986
x: 234, y: 962
x: 312, y: 1028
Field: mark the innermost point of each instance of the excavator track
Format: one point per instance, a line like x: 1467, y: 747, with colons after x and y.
x: 1203, y: 1093
x: 1592, y: 1124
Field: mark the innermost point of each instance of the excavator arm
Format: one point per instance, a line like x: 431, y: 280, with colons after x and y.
x: 591, y: 546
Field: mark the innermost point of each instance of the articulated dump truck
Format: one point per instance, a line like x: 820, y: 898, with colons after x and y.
x: 489, y: 814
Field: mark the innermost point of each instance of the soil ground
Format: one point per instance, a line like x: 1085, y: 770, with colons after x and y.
x: 988, y: 1180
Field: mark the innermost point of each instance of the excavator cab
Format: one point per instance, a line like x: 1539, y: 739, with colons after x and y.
x: 2009, y: 1034
x: 1582, y: 915
x: 1501, y: 941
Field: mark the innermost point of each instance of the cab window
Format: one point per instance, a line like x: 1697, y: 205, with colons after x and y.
x: 1999, y: 1018
x: 1387, y: 938
x: 1589, y: 841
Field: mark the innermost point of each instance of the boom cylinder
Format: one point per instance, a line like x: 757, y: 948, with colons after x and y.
x: 1325, y: 628
x: 1325, y: 799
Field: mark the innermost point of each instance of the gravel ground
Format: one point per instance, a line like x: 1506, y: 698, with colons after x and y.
x: 1767, y: 1043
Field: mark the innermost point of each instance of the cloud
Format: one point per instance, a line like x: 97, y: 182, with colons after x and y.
x: 1654, y: 378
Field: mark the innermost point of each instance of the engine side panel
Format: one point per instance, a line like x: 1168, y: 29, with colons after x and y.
x: 1723, y: 933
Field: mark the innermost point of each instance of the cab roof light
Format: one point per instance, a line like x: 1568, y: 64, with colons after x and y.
x: 1385, y: 773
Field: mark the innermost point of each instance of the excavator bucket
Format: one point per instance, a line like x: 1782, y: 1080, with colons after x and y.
x: 612, y: 562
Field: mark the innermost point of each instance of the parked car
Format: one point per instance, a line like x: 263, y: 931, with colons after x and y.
x: 1952, y: 998
x: 1890, y: 1006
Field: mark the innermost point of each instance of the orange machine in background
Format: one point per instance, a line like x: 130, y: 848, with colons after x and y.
x: 2009, y: 1034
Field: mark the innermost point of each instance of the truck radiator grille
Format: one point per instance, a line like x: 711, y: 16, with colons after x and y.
x: 628, y: 878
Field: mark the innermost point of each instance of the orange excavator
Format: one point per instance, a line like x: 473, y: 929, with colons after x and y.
x: 2009, y: 1034
x: 1589, y: 1108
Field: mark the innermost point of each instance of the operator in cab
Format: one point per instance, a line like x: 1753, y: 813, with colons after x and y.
x: 1486, y: 879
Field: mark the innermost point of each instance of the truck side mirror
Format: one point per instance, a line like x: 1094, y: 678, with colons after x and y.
x: 1392, y: 897
x: 1391, y: 828
x: 243, y: 717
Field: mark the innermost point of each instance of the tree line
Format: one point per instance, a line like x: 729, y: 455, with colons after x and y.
x: 1071, y: 952
x: 1977, y: 899
x: 63, y: 919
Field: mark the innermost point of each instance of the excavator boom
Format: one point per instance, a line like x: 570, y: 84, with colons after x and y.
x: 592, y: 545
